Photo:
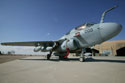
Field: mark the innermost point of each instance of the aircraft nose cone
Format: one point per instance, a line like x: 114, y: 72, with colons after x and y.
x: 116, y: 28
x: 119, y: 27
x: 109, y: 30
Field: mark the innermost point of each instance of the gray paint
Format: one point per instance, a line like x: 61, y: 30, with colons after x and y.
x: 84, y: 36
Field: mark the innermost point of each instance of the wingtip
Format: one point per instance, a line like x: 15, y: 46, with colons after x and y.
x: 2, y: 43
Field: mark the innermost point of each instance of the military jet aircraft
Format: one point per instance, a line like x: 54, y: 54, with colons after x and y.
x: 77, y: 40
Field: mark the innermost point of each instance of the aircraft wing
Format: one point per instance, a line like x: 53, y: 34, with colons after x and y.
x: 32, y: 43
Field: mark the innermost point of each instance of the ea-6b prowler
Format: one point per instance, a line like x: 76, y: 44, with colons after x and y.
x: 77, y: 40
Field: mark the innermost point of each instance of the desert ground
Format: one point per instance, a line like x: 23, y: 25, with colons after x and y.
x: 36, y: 69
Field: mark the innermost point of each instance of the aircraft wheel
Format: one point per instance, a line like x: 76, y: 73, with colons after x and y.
x: 61, y: 57
x: 81, y: 59
x: 48, y: 56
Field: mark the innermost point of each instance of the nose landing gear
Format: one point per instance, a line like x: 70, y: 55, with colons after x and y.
x: 82, y: 56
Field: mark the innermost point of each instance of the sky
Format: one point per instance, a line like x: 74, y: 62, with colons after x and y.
x: 44, y: 20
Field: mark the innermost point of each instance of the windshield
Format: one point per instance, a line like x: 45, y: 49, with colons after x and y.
x: 89, y: 24
x: 81, y: 27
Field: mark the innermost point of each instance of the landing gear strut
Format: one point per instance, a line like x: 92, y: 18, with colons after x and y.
x: 82, y: 56
x: 49, y: 55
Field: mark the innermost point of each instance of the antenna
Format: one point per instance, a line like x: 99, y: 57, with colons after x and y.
x: 104, y: 13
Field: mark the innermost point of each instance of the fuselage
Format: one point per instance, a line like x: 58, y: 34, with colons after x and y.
x: 89, y: 34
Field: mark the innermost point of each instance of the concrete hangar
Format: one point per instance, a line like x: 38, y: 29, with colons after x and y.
x: 115, y: 48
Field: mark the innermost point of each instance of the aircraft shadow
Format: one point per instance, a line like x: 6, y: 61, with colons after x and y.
x: 56, y: 60
x: 40, y: 60
x: 77, y: 59
x: 104, y: 60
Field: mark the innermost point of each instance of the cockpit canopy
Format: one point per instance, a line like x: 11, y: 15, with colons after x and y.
x: 84, y: 26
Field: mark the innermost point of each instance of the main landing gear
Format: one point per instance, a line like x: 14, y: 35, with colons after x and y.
x: 82, y: 56
x: 49, y: 55
x: 65, y: 56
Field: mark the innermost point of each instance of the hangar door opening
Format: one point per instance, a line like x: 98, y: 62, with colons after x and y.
x: 121, y: 52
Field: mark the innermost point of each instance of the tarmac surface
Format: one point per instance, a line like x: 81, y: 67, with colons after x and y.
x: 37, y: 69
x: 6, y: 58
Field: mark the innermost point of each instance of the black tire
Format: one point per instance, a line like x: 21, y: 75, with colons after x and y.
x: 61, y: 57
x: 48, y: 56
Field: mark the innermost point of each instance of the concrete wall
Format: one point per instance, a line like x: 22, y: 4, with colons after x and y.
x: 110, y: 46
